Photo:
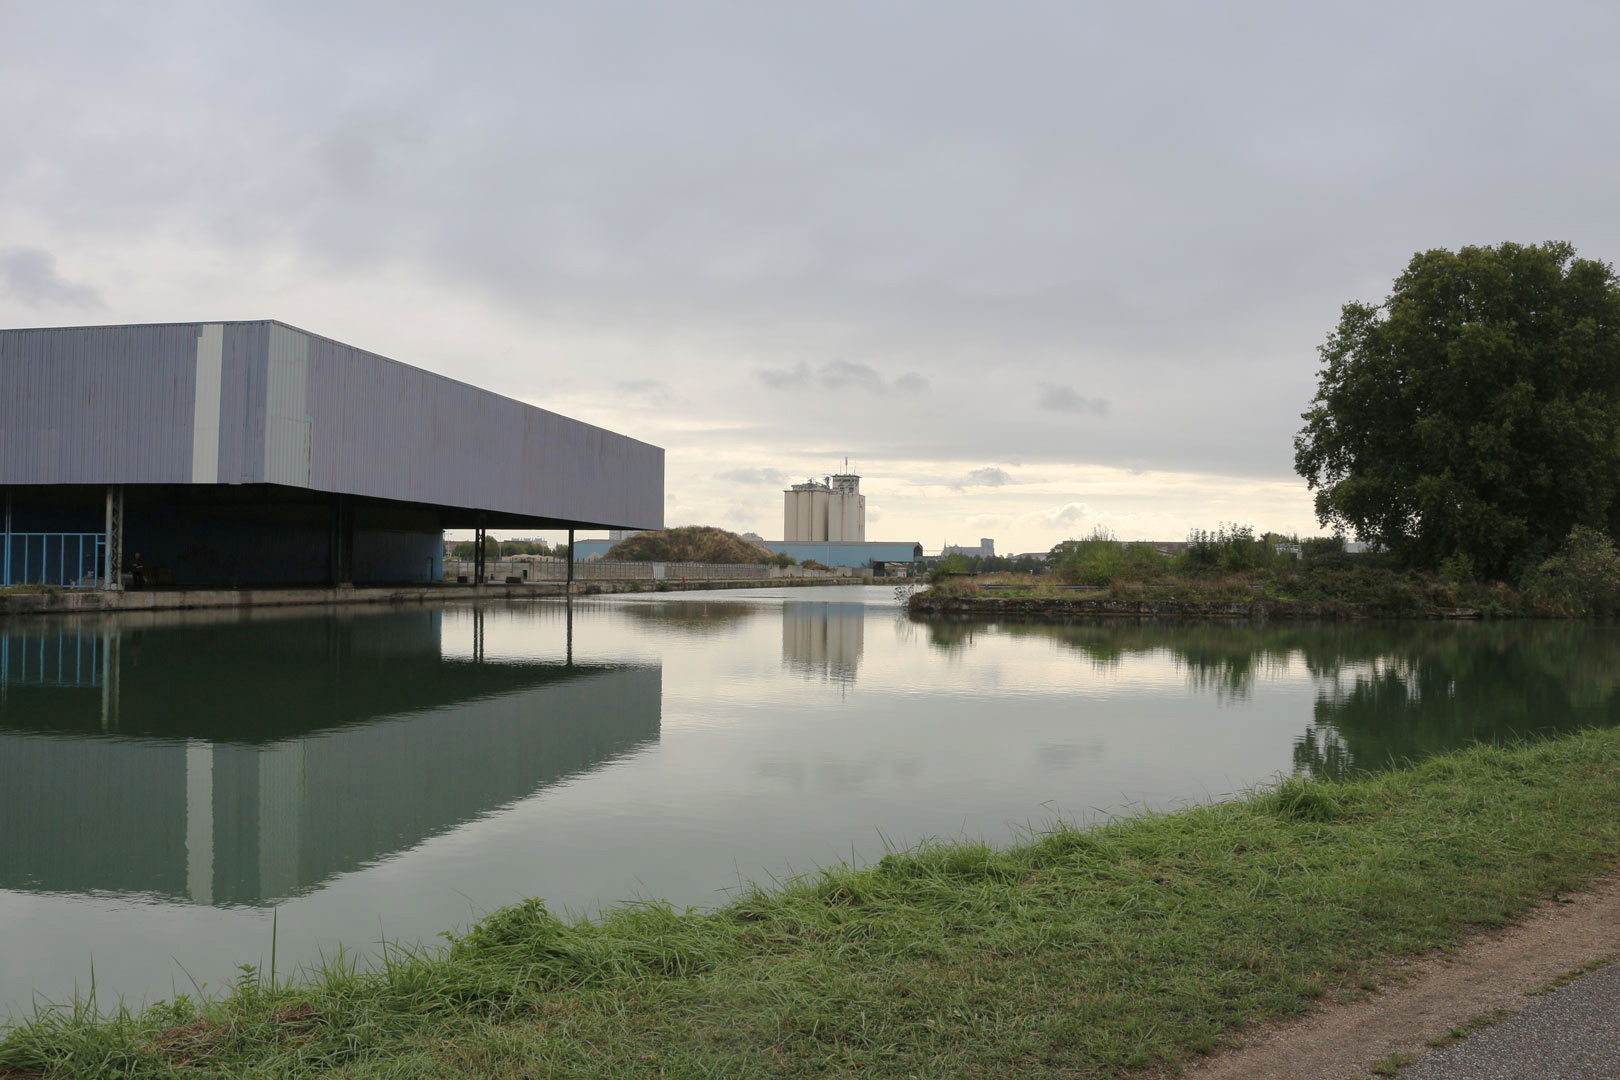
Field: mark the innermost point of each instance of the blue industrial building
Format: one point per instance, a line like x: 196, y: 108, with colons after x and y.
x: 874, y: 553
x: 250, y: 453
x: 879, y: 555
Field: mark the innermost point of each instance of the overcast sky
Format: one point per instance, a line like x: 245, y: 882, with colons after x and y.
x: 1034, y: 267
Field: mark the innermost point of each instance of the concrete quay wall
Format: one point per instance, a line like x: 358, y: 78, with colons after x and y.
x: 71, y: 601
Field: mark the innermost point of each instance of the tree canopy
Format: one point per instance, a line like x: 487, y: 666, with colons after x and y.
x: 1475, y: 411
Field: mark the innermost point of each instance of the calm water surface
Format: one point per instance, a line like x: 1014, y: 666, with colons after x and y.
x: 168, y: 781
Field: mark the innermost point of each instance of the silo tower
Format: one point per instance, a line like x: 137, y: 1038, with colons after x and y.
x: 829, y: 509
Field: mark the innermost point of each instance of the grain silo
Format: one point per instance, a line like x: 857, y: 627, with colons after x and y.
x: 830, y: 509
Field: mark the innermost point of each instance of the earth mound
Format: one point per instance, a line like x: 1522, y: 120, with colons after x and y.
x: 689, y: 544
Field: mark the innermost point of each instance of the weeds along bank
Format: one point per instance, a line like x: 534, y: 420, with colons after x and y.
x: 1233, y: 574
x: 1083, y: 952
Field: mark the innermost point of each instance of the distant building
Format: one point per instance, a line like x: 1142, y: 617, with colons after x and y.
x: 831, y: 510
x: 986, y: 549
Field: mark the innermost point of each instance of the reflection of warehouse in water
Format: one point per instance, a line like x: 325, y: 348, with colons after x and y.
x: 374, y: 742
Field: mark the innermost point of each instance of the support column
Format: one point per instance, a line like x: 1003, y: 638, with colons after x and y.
x: 478, y: 553
x: 5, y: 553
x: 570, y: 562
x: 341, y: 542
x: 334, y: 540
x: 114, y: 544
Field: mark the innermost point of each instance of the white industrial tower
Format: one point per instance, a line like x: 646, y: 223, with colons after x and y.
x: 830, y: 509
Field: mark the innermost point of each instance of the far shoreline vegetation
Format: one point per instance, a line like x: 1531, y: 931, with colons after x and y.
x: 1230, y: 571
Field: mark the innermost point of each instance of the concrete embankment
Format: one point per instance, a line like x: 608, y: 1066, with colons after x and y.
x: 67, y: 601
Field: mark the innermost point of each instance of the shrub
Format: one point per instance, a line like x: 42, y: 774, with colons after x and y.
x: 1583, y: 578
x: 1144, y: 562
x: 1457, y: 568
x: 1231, y: 549
x: 1096, y: 560
x: 950, y: 565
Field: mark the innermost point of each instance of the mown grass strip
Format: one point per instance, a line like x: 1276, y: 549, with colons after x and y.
x: 1083, y: 952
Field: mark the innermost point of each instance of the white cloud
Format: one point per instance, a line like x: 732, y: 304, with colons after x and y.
x: 773, y: 477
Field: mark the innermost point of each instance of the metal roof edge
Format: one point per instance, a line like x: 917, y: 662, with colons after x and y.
x: 334, y: 341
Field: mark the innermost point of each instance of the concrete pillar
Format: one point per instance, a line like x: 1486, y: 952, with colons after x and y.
x: 570, y: 562
x: 114, y: 539
x: 5, y: 553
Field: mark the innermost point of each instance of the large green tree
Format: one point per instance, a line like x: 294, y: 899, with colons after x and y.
x: 1475, y: 411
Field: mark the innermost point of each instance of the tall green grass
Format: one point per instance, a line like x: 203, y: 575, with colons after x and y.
x: 1080, y: 952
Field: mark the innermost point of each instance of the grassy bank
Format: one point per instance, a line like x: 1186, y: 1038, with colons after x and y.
x: 1082, y: 952
x: 1369, y: 591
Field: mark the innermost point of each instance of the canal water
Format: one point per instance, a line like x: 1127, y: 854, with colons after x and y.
x: 171, y: 784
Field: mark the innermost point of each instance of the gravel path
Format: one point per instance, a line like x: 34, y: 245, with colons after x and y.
x: 1494, y: 972
x: 1570, y: 1034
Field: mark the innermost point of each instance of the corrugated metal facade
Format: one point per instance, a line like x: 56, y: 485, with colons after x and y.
x: 120, y: 405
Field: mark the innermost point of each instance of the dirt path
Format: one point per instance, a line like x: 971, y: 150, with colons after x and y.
x: 1492, y: 972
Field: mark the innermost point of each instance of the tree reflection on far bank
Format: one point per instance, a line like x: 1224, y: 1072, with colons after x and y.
x: 1387, y: 692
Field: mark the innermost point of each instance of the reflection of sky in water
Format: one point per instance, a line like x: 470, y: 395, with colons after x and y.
x: 398, y: 774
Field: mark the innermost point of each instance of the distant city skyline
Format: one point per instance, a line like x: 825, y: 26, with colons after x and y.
x: 1034, y: 268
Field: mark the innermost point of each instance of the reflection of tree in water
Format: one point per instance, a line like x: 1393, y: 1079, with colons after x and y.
x: 1387, y: 692
x: 1220, y: 658
x: 684, y: 618
x: 954, y: 635
x: 1418, y: 690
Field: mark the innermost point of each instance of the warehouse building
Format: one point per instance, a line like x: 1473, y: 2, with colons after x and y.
x: 253, y: 453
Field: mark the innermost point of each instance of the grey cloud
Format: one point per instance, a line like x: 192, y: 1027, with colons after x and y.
x: 651, y: 390
x: 783, y: 379
x: 774, y: 477
x: 839, y: 374
x: 991, y: 477
x: 30, y: 275
x: 1061, y: 398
